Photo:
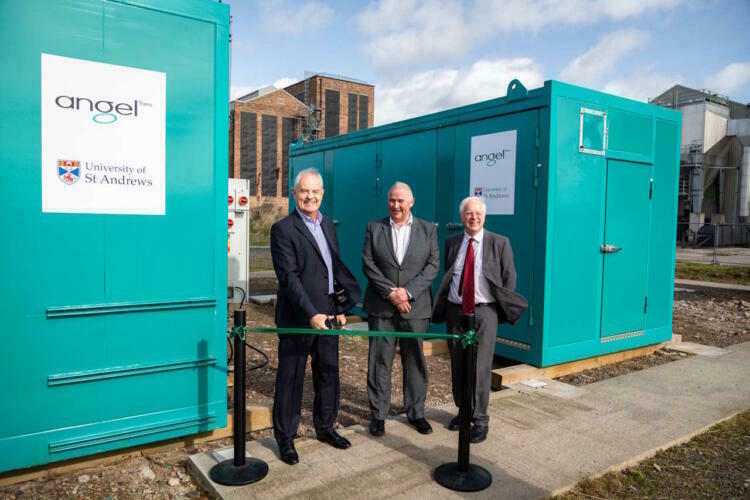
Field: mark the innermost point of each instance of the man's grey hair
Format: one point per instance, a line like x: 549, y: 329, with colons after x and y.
x: 401, y: 185
x: 307, y: 171
x: 466, y: 201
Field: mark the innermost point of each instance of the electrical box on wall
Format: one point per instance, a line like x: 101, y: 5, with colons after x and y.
x: 238, y: 223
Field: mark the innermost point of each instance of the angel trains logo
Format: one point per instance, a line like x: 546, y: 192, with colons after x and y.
x: 491, y: 158
x: 68, y: 171
x: 105, y: 112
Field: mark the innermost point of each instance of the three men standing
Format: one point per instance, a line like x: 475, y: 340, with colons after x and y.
x: 315, y: 290
x: 400, y: 259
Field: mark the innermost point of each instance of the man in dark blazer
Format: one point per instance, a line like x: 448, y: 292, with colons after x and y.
x: 400, y: 259
x: 480, y: 278
x: 315, y: 290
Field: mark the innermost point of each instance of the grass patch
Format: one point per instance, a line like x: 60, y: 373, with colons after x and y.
x: 738, y: 275
x: 715, y: 464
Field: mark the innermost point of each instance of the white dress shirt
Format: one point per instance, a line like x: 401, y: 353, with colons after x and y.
x: 482, y: 293
x: 401, y: 236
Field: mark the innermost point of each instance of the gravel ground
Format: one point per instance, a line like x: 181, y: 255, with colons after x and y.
x: 712, y: 316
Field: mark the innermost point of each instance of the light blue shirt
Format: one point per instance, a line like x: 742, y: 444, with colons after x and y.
x: 314, y: 227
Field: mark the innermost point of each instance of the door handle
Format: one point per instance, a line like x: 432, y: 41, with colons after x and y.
x: 452, y: 226
x: 609, y: 249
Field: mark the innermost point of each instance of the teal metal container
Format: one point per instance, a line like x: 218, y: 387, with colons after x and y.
x: 591, y: 217
x: 112, y: 302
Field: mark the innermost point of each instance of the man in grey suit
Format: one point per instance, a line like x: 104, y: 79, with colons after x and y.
x: 400, y: 259
x: 480, y: 278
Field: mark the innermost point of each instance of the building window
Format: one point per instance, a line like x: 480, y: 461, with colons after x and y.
x: 249, y: 149
x: 332, y: 113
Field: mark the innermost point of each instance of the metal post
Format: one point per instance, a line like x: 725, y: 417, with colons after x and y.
x: 716, y: 243
x: 463, y: 475
x: 239, y: 470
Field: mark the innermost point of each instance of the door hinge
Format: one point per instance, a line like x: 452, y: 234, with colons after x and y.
x: 645, y: 305
x: 531, y: 315
x: 651, y: 189
x: 536, y: 174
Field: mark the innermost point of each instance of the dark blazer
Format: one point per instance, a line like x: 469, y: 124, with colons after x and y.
x: 416, y: 272
x: 497, y: 267
x: 302, y: 273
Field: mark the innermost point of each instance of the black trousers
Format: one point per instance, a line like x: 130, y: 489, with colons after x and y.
x: 290, y: 377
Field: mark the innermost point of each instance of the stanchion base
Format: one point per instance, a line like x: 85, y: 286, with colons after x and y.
x: 476, y: 478
x: 228, y: 474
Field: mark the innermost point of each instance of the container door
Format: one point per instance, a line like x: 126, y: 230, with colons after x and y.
x: 486, y: 146
x: 625, y: 247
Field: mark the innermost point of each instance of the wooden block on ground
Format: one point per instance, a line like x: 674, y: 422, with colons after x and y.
x: 518, y: 373
x: 676, y: 339
x: 512, y: 374
x: 258, y: 417
x: 434, y: 347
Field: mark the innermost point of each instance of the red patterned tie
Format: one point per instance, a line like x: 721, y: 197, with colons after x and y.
x: 467, y: 278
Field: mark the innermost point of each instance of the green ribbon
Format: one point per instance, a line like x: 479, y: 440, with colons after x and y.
x: 240, y: 331
x: 469, y: 338
x: 358, y: 333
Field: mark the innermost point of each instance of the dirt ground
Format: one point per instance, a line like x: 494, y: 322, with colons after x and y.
x: 708, y: 272
x: 712, y: 316
x: 712, y: 462
x: 715, y: 464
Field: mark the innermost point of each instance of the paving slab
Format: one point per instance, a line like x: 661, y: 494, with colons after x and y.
x: 541, y: 440
x: 697, y: 349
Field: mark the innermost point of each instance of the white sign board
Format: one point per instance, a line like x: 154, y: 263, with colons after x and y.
x: 103, y: 135
x: 493, y: 171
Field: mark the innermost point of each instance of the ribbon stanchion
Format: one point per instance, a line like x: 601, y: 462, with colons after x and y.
x: 239, y: 470
x: 463, y: 475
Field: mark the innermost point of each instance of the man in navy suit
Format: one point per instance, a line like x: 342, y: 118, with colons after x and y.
x: 315, y: 290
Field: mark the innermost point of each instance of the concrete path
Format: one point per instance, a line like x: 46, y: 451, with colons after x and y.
x: 541, y: 440
x: 711, y: 284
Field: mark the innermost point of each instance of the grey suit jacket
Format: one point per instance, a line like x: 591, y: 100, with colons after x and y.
x: 497, y: 267
x: 416, y: 273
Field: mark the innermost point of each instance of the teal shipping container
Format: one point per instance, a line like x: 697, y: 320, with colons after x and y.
x: 582, y: 182
x: 113, y: 139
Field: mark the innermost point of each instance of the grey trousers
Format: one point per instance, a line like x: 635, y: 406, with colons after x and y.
x: 380, y: 362
x: 486, y: 327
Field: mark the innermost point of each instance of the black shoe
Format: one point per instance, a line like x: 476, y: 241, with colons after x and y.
x: 422, y: 426
x: 335, y: 440
x: 455, y: 424
x: 478, y: 433
x: 377, y: 427
x: 287, y: 453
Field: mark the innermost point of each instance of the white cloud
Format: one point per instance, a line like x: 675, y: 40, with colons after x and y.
x: 729, y: 79
x: 236, y: 91
x: 599, y: 61
x: 281, y: 17
x: 642, y: 84
x: 413, y: 32
x: 446, y: 88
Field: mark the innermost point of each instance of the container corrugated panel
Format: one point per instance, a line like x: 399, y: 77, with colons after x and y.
x: 591, y: 169
x: 113, y: 324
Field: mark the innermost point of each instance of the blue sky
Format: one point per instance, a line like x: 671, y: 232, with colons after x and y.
x: 437, y: 54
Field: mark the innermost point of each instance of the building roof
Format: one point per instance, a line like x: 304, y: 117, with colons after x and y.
x: 264, y: 91
x: 679, y: 95
x: 313, y: 74
x: 257, y: 93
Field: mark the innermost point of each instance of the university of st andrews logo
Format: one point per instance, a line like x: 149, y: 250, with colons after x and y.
x: 68, y: 171
x: 477, y: 191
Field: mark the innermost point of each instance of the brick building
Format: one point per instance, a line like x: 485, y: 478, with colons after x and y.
x: 265, y: 122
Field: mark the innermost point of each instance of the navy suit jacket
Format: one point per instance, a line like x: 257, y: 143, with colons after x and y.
x: 303, y: 275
